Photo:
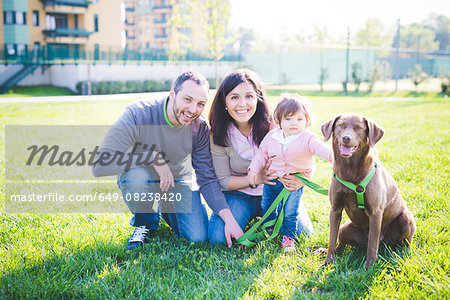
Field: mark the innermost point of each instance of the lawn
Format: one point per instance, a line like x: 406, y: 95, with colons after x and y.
x: 84, y: 256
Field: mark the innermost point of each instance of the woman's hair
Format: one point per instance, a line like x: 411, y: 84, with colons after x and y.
x: 291, y: 104
x: 219, y: 117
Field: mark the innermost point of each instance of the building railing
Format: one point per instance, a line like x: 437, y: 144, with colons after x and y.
x: 58, y: 54
x: 161, y: 6
x: 77, y: 3
x: 161, y: 36
x: 65, y: 32
x: 162, y: 21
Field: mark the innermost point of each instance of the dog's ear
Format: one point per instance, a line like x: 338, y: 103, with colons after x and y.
x: 375, y: 132
x: 327, y: 127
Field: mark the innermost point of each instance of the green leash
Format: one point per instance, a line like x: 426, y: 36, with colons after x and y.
x: 251, y: 235
x: 359, y: 189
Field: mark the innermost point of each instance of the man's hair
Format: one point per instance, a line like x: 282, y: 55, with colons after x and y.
x: 290, y: 104
x: 196, y: 77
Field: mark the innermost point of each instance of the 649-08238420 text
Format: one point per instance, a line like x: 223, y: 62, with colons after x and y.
x: 97, y: 196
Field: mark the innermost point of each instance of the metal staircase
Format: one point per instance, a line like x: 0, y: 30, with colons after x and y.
x: 18, y: 76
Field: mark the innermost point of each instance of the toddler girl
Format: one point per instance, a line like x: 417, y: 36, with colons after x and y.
x: 290, y: 149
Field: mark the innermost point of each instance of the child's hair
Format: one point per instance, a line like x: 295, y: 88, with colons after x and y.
x: 290, y: 104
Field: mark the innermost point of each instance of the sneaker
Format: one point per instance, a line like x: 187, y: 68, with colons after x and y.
x: 139, y: 237
x: 288, y: 244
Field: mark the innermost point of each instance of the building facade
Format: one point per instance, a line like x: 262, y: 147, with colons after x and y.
x: 62, y: 27
x: 147, y: 24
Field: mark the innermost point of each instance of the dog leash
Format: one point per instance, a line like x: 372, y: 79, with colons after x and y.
x: 359, y: 189
x: 249, y: 237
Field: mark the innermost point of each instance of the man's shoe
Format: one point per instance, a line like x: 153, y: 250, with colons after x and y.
x: 139, y: 237
x: 288, y: 244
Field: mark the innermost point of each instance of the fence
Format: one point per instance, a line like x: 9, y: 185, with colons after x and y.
x: 54, y: 54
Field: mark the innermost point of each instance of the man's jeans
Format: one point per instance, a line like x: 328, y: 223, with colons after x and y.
x: 296, y: 219
x: 192, y: 226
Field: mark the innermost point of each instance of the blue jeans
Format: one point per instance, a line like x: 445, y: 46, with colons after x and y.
x: 192, y: 226
x: 296, y: 219
x: 244, y: 208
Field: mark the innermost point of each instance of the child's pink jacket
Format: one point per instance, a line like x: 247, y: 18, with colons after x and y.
x: 297, y: 158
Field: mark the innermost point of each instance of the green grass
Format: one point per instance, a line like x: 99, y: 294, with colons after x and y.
x: 37, y: 91
x: 83, y: 255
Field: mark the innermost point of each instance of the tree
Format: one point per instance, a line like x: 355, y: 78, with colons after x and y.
x: 218, y: 14
x: 374, y: 34
x: 245, y: 37
x: 417, y: 36
x: 440, y: 26
x: 180, y: 24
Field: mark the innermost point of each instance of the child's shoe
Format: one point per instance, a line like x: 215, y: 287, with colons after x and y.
x: 288, y: 244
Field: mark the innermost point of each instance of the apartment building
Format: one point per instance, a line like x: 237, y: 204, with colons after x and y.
x: 63, y: 26
x: 146, y: 24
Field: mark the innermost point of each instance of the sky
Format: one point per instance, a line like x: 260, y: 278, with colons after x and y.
x: 272, y: 18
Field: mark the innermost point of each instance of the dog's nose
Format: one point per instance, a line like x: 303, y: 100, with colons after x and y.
x: 346, y: 139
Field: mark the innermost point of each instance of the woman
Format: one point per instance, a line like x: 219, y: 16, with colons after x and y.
x: 239, y: 119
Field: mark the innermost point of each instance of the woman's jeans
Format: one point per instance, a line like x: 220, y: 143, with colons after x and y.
x: 296, y: 219
x: 140, y: 181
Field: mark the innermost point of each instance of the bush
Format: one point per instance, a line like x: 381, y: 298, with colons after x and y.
x: 134, y: 86
x: 418, y: 76
x: 356, y: 75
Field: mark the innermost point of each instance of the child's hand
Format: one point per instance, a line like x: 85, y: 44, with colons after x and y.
x: 252, y: 177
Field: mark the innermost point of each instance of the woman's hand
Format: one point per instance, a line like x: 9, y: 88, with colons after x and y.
x: 290, y: 182
x: 266, y: 176
x: 252, y: 178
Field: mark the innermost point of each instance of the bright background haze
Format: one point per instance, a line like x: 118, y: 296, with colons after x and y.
x: 271, y: 18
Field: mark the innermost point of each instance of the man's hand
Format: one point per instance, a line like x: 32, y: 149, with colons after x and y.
x: 232, y: 229
x: 165, y: 177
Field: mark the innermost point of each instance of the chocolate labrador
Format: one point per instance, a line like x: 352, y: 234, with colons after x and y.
x: 366, y: 191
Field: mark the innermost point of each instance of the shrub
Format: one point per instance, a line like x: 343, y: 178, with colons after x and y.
x: 356, y: 75
x: 418, y: 76
x: 132, y: 86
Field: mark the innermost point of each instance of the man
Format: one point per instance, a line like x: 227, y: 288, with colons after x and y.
x: 180, y: 113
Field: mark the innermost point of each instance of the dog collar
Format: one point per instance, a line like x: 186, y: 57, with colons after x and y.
x: 359, y: 189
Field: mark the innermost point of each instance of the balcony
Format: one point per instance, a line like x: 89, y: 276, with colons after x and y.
x: 162, y: 21
x: 66, y: 36
x: 159, y: 36
x: 130, y: 23
x: 161, y: 6
x: 66, y: 6
x: 75, y: 3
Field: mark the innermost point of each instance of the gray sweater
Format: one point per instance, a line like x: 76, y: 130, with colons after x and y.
x: 185, y: 147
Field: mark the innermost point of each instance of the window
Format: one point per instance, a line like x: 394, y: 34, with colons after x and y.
x: 35, y: 18
x: 10, y: 49
x: 8, y: 16
x: 147, y: 45
x: 20, y: 18
x: 50, y: 23
x: 95, y: 23
x: 147, y: 30
x: 21, y: 50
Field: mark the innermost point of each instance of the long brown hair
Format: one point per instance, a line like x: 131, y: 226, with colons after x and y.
x: 220, y: 119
